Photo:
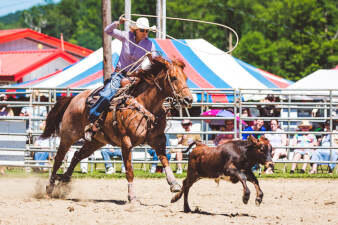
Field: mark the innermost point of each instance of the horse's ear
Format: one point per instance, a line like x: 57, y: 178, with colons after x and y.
x: 263, y: 140
x: 253, y: 140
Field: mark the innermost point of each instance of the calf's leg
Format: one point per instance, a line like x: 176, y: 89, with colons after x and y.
x: 232, y: 171
x: 192, y: 177
x: 259, y: 194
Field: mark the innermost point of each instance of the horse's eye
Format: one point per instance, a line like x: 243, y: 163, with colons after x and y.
x: 172, y: 79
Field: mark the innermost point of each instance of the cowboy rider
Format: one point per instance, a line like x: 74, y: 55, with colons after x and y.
x: 130, y: 54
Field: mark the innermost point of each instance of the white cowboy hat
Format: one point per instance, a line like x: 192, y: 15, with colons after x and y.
x: 186, y: 122
x: 3, y: 97
x: 305, y: 123
x: 142, y: 23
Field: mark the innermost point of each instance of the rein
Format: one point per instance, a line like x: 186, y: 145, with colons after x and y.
x: 175, y: 98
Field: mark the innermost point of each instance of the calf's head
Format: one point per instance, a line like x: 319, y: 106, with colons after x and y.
x: 261, y: 149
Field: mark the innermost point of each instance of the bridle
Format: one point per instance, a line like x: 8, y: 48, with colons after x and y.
x: 175, y: 98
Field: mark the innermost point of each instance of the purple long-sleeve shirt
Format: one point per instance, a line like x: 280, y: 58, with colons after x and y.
x: 129, y: 53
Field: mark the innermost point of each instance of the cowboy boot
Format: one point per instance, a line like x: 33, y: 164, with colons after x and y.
x: 90, y: 130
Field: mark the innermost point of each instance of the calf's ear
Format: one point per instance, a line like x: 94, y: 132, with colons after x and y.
x: 253, y: 140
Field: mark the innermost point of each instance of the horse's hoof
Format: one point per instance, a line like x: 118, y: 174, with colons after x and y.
x: 49, y: 190
x: 63, y: 178
x: 132, y: 199
x: 258, y: 201
x: 58, y: 177
x: 175, y: 187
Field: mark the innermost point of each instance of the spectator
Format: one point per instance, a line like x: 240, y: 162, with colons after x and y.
x: 34, y: 111
x: 185, y: 140
x: 2, y: 170
x: 223, y: 138
x: 83, y: 163
x: 245, y: 114
x: 152, y: 152
x: 276, y: 140
x: 45, y: 143
x: 107, y: 154
x: 257, y: 126
x: 39, y: 156
x: 269, y: 110
x: 325, y: 154
x: 4, y: 109
x: 303, y: 140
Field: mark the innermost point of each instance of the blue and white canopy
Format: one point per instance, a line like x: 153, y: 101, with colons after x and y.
x: 206, y: 67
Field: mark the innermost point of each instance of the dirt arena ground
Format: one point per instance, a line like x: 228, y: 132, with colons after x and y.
x: 103, y: 201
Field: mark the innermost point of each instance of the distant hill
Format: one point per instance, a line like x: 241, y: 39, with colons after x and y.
x: 11, y: 18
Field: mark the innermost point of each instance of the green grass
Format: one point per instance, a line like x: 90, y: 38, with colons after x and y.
x: 143, y: 172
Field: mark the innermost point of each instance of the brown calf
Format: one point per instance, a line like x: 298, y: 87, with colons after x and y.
x: 234, y: 159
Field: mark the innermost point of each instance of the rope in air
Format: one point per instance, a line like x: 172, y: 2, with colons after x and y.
x: 196, y: 21
x: 175, y: 18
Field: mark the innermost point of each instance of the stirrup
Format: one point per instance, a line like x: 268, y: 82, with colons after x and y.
x: 89, y: 132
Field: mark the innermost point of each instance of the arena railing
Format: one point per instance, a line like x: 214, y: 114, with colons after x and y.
x: 325, y: 101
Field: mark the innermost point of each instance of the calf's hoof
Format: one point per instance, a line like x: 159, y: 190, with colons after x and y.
x: 187, y: 209
x: 175, y: 187
x: 258, y: 201
x: 246, y: 198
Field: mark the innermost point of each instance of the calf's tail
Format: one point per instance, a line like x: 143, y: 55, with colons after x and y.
x: 189, y: 147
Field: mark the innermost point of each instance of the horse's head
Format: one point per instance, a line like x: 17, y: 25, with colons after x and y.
x: 175, y: 81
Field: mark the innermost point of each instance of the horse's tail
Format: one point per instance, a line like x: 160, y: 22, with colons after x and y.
x: 54, y: 117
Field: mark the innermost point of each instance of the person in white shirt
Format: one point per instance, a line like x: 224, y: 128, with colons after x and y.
x: 277, y: 142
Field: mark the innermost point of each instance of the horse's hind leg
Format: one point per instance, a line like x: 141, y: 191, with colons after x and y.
x: 60, y: 155
x: 87, y: 149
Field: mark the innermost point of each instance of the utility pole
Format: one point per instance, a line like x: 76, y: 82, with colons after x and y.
x: 106, y: 39
x: 230, y: 42
x: 127, y: 11
x: 161, y: 19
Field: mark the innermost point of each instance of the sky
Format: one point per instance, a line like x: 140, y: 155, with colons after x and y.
x: 11, y: 6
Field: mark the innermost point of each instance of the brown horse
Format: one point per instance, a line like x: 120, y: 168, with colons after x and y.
x: 127, y: 127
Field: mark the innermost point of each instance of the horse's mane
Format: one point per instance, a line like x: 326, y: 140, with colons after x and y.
x: 157, y: 64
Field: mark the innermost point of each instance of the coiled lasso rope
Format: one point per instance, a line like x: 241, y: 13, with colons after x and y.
x: 191, y: 20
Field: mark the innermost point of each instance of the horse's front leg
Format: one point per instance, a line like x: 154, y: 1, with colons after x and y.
x: 159, y: 144
x: 259, y: 193
x: 126, y: 154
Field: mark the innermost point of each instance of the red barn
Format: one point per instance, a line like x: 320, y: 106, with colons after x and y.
x: 26, y: 54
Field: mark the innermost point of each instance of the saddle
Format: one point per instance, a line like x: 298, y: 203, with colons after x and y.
x: 121, y: 100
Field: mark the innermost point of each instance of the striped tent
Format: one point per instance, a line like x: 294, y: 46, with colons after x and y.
x: 206, y: 67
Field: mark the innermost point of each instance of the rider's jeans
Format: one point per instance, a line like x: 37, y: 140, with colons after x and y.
x: 106, y: 94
